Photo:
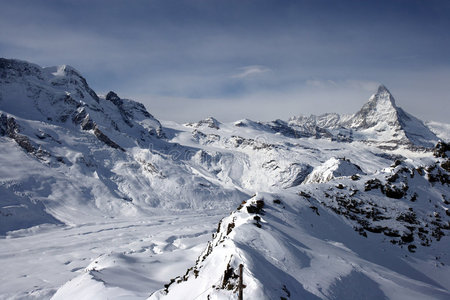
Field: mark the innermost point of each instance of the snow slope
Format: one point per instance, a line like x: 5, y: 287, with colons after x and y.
x: 301, y: 244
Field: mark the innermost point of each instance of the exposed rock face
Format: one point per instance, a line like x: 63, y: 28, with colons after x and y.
x: 105, y: 139
x: 10, y: 128
x: 111, y: 96
x: 442, y: 149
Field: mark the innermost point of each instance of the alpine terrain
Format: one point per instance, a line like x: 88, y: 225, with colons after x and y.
x: 101, y: 200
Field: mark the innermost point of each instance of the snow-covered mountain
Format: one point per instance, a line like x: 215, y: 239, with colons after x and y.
x: 391, y: 123
x: 322, y: 207
x: 379, y: 121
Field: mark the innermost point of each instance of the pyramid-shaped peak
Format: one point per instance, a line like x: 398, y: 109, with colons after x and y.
x: 380, y: 108
x: 383, y: 96
x: 382, y: 89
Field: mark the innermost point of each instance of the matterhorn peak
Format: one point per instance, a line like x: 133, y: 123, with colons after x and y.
x: 382, y: 89
x: 380, y: 108
x: 382, y: 115
x: 383, y: 96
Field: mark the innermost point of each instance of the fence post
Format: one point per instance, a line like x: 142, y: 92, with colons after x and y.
x: 241, y: 284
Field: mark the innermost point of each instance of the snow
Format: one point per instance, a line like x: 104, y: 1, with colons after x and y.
x: 442, y: 130
x: 150, y: 250
x: 332, y: 168
x: 112, y: 203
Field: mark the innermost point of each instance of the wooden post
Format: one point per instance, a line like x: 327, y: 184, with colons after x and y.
x: 241, y: 284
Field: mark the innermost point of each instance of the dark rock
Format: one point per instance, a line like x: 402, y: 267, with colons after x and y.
x: 412, y: 248
x: 355, y: 177
x: 315, y: 209
x: 105, y: 139
x: 303, y: 194
x: 111, y: 96
x: 241, y: 205
x: 228, y: 275
x: 230, y: 227
x: 394, y: 192
x: 391, y: 232
x: 441, y: 149
x: 255, y: 209
x: 3, y: 124
x: 361, y: 231
x: 446, y: 165
x: 373, y: 184
x: 407, y: 237
x: 396, y: 163
x: 88, y: 124
x: 393, y: 178
x: 408, y: 217
x: 9, y: 127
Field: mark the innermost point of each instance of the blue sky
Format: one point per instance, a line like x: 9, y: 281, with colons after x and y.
x: 186, y: 60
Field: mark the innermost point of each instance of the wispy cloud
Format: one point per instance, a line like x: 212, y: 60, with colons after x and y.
x: 251, y: 71
x: 320, y: 83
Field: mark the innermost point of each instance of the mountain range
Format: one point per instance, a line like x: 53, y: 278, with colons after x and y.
x: 314, y: 207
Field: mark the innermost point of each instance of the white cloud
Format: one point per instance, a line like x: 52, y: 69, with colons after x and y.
x: 250, y: 71
x: 321, y: 83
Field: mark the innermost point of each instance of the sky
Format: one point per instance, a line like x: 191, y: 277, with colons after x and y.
x: 263, y: 60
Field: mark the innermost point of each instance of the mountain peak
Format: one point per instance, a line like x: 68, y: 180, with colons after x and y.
x: 384, y: 95
x: 209, y: 122
x: 383, y: 115
x: 382, y: 89
x: 380, y: 108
